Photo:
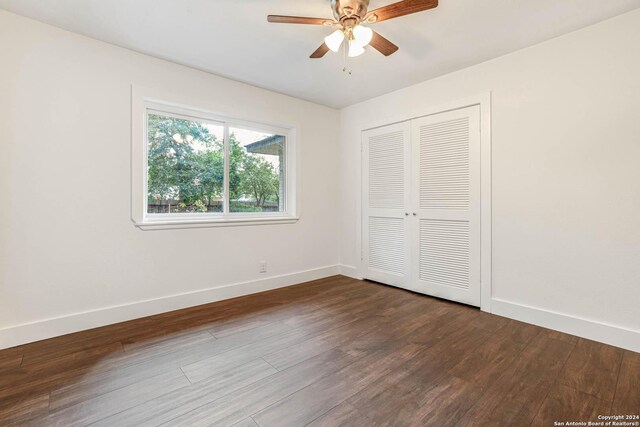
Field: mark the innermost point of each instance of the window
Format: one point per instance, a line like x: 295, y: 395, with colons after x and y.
x: 256, y: 171
x: 200, y: 168
x: 185, y: 165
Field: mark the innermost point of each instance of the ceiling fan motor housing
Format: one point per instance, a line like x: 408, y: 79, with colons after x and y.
x: 349, y: 9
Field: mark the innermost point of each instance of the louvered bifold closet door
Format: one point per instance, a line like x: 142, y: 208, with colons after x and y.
x: 446, y: 203
x: 386, y: 176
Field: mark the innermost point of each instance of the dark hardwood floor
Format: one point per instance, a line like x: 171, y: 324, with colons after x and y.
x: 332, y: 352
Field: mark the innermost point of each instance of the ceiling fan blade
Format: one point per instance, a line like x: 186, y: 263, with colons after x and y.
x: 320, y: 52
x: 400, y: 8
x: 383, y: 45
x: 280, y: 19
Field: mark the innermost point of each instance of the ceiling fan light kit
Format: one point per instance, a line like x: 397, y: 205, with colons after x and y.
x: 334, y: 40
x: 349, y: 15
x: 355, y: 49
x: 358, y: 38
x: 363, y: 34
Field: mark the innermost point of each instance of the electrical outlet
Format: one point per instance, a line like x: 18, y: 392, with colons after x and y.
x: 263, y: 266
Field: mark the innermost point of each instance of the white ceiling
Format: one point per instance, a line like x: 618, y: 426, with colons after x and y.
x: 232, y: 38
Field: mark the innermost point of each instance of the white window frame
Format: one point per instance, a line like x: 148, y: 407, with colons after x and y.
x: 141, y: 106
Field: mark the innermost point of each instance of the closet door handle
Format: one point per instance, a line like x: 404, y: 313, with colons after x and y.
x: 415, y: 214
x: 406, y: 214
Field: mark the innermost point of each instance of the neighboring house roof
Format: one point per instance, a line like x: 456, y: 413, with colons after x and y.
x: 272, y: 145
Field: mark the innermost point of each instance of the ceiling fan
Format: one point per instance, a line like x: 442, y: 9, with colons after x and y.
x: 350, y: 17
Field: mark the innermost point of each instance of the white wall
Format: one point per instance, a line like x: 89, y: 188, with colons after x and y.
x: 67, y: 242
x: 566, y: 176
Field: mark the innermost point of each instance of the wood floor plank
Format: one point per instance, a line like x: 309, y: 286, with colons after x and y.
x: 8, y: 363
x: 179, y: 402
x: 495, y: 354
x: 304, y: 406
x: 522, y: 332
x: 556, y: 335
x: 292, y: 355
x: 335, y: 351
x: 247, y: 422
x: 145, y: 362
x: 112, y: 375
x: 11, y: 353
x: 343, y: 415
x: 406, y: 396
x: 40, y: 377
x: 247, y: 401
x: 168, y: 339
x: 255, y: 347
x: 210, y: 366
x: 22, y: 409
x: 568, y: 404
x: 627, y: 395
x: 278, y: 312
x: 444, y: 404
x: 254, y: 334
x: 79, y: 358
x: 82, y: 341
x: 95, y: 409
x: 387, y: 400
x: 239, y: 325
x: 359, y: 305
x: 593, y: 368
x: 514, y: 397
x: 109, y: 373
x: 352, y: 332
x: 447, y: 321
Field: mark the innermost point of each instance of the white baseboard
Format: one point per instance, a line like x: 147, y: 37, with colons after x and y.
x: 590, y: 329
x: 350, y: 271
x: 47, y: 328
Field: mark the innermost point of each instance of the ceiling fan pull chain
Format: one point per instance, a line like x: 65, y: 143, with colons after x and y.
x: 345, y: 69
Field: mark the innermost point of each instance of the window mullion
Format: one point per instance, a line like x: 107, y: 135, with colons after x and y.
x: 227, y: 158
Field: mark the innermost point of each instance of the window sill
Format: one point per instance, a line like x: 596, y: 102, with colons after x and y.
x: 205, y: 223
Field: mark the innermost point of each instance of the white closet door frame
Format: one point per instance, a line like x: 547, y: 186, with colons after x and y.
x: 482, y: 99
x: 398, y: 214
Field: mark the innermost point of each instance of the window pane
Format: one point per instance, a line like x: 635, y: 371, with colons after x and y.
x: 256, y: 171
x: 185, y: 166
